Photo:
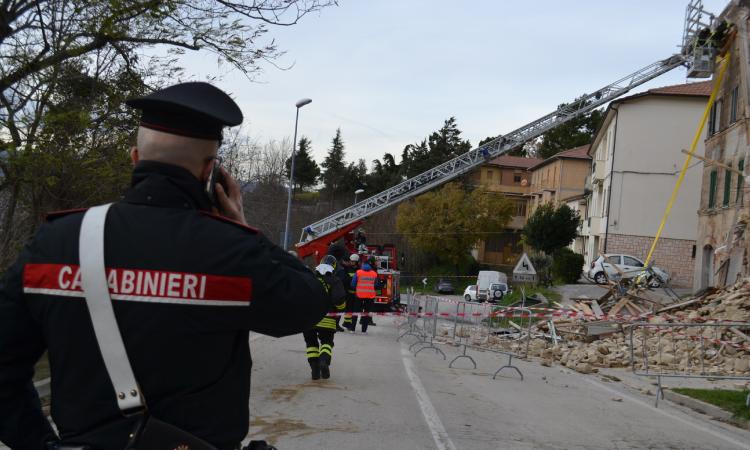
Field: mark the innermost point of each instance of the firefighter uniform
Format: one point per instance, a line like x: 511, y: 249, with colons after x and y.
x: 319, y: 341
x: 187, y: 286
x: 364, y: 283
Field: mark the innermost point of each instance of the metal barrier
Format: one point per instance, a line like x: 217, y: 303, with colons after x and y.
x: 686, y: 350
x: 412, y: 310
x: 479, y: 326
x: 431, y: 310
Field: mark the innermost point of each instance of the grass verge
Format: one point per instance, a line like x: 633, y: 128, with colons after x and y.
x: 732, y: 401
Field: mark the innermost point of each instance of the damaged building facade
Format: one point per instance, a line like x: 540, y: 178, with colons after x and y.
x: 723, y: 240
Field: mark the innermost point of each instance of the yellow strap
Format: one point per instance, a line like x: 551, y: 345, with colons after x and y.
x: 693, y: 146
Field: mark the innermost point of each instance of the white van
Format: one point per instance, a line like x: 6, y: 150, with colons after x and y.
x: 487, y: 278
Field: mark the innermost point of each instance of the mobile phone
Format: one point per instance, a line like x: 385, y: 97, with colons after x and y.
x: 214, y: 177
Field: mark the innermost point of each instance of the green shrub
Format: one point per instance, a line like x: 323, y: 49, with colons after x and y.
x: 567, y: 265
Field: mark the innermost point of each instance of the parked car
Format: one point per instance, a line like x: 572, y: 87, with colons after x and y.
x: 470, y: 293
x: 485, y: 278
x: 629, y: 265
x: 444, y: 287
x: 498, y: 291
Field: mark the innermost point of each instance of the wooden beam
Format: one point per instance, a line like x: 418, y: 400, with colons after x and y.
x: 713, y: 162
x: 740, y: 334
x: 597, y: 309
x: 618, y: 306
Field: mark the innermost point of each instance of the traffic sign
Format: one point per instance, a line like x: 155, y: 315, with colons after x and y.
x: 524, y: 271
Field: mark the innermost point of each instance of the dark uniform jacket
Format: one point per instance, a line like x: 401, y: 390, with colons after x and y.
x: 186, y: 286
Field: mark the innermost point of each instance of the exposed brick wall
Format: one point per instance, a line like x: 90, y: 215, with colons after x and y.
x: 675, y: 256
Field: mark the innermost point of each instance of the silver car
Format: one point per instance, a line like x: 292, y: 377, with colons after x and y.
x: 630, y: 266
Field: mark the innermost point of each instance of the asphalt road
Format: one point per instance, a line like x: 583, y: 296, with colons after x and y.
x: 382, y: 397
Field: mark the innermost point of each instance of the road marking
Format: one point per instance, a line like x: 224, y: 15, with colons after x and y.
x: 692, y: 423
x: 439, y: 435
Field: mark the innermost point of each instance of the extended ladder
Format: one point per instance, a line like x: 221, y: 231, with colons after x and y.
x: 464, y: 163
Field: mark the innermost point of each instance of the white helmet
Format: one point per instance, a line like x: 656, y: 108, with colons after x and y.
x: 324, y: 269
x: 354, y: 257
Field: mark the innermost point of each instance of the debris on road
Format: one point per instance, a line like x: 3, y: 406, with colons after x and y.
x: 590, y: 344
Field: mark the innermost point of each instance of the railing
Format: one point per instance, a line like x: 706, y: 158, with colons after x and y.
x: 469, y: 326
x: 686, y: 350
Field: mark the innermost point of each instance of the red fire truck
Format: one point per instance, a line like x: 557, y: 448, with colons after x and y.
x: 383, y: 258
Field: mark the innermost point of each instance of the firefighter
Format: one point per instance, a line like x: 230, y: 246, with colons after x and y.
x: 319, y: 340
x: 353, y: 304
x: 187, y: 286
x: 340, y: 253
x: 364, y: 284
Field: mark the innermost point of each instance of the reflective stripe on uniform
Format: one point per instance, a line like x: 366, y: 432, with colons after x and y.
x: 327, y: 349
x: 313, y: 352
x: 328, y: 323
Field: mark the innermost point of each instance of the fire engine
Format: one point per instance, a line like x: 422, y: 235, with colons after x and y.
x: 383, y: 258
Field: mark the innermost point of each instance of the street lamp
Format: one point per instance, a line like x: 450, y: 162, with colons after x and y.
x: 356, y: 193
x: 299, y: 105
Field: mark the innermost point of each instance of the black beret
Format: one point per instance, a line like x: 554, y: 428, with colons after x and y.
x: 194, y: 109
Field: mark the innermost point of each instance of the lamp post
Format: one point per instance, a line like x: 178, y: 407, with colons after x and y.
x: 299, y: 105
x: 356, y: 193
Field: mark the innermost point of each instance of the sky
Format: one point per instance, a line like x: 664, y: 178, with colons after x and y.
x: 389, y: 72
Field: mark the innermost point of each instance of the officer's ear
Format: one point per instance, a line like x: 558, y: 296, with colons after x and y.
x: 134, y: 155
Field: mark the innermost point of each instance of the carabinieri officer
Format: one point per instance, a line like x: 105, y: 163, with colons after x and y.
x: 187, y: 285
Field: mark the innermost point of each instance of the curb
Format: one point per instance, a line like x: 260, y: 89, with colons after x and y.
x: 705, y: 408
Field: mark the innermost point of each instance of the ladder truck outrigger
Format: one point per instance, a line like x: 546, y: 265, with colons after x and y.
x: 697, y: 55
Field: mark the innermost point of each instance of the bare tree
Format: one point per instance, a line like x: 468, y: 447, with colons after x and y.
x: 41, y: 40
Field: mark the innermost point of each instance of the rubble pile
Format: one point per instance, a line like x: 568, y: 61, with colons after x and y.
x: 588, y: 344
x: 724, y: 349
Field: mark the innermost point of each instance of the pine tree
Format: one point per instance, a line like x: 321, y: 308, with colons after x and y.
x: 440, y: 146
x: 306, y: 170
x: 334, y: 167
x: 573, y: 133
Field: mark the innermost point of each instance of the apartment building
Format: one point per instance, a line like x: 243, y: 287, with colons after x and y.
x: 559, y: 177
x: 636, y: 161
x: 508, y: 176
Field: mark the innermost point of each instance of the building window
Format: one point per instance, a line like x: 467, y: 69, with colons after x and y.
x: 516, y: 178
x: 719, y: 108
x: 714, y: 118
x: 489, y: 175
x: 733, y: 113
x: 740, y: 180
x: 521, y: 209
x: 712, y: 190
x: 727, y: 186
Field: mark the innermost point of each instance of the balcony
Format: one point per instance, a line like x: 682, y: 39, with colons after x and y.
x: 506, y: 188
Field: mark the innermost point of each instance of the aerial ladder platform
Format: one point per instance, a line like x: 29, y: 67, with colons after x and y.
x: 695, y: 55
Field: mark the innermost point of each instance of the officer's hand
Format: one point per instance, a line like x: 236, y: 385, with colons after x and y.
x: 231, y: 202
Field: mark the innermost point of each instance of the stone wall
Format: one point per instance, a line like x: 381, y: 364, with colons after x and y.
x: 675, y: 256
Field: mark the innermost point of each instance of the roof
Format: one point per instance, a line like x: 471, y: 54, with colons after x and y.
x: 519, y: 162
x: 700, y: 89
x: 581, y: 152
